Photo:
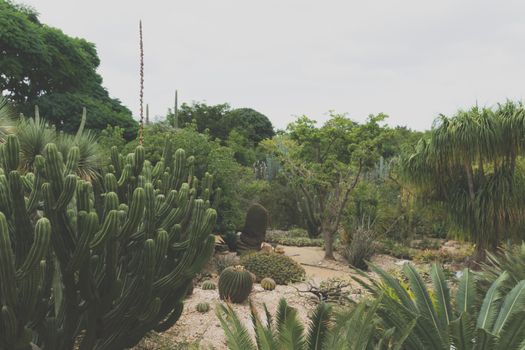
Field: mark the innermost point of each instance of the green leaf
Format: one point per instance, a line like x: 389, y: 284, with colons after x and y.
x: 514, y: 302
x: 491, y: 303
x: 466, y: 294
x: 318, y: 329
x: 237, y: 336
x: 442, y: 295
x: 462, y: 332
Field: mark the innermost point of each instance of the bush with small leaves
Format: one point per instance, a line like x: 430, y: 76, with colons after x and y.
x: 268, y: 283
x: 281, y: 268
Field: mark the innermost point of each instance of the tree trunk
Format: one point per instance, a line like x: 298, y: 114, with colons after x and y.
x: 328, y: 236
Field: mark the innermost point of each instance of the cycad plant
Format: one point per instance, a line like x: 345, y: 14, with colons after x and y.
x: 471, y: 164
x: 465, y: 321
x: 355, y: 329
x: 510, y: 259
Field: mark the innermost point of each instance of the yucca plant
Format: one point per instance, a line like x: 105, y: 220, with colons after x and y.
x: 356, y: 329
x: 443, y: 322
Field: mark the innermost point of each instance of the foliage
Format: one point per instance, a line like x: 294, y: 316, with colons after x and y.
x: 281, y: 268
x: 268, y: 283
x: 509, y: 259
x: 102, y: 263
x: 444, y: 322
x: 41, y: 65
x: 220, y: 120
x: 235, y: 284
x: 443, y: 256
x: 470, y: 162
x: 355, y: 329
x: 325, y: 164
x: 285, y: 238
x: 360, y: 247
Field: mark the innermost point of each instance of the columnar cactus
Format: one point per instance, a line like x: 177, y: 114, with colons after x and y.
x: 235, y: 284
x: 97, y: 264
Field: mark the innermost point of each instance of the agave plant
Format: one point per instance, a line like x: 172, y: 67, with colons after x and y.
x: 443, y: 322
x: 354, y: 329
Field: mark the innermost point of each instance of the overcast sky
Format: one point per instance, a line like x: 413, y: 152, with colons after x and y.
x: 409, y: 59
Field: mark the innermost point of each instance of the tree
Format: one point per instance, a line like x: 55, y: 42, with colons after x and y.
x: 253, y: 125
x: 325, y: 164
x: 42, y: 65
x: 472, y: 164
x: 220, y: 120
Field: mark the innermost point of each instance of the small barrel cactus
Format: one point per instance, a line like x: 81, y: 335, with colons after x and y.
x: 202, y: 307
x: 268, y: 283
x: 235, y: 284
x: 208, y: 285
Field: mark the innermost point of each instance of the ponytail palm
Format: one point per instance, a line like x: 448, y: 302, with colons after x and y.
x: 472, y: 164
x: 442, y: 321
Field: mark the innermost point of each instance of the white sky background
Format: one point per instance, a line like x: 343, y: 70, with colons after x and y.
x: 409, y: 59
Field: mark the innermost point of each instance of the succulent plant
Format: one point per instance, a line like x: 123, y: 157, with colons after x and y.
x: 254, y: 230
x: 268, y: 283
x: 281, y: 268
x: 208, y: 285
x: 103, y: 261
x: 235, y: 284
x: 202, y: 307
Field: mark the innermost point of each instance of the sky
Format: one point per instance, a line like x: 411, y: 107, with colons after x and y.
x: 411, y: 60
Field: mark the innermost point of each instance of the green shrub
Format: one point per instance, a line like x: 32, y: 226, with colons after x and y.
x: 281, y: 268
x: 282, y: 238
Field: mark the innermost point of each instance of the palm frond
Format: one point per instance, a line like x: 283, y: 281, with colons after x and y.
x: 237, y: 336
x: 513, y: 303
x: 319, y: 327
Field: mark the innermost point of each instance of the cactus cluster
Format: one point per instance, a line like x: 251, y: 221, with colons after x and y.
x: 208, y: 285
x: 202, y: 307
x: 235, y: 284
x: 268, y: 283
x: 97, y: 263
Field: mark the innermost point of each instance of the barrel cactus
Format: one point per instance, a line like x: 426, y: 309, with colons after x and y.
x: 268, y: 283
x: 97, y: 265
x: 202, y: 307
x: 208, y: 285
x: 235, y: 284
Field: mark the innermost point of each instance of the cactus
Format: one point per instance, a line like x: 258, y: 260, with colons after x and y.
x: 97, y: 265
x: 235, y: 284
x: 268, y: 283
x: 202, y: 307
x: 208, y: 285
x: 254, y: 231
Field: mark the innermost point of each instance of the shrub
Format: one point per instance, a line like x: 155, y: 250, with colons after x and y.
x: 235, y: 284
x: 290, y: 238
x: 106, y: 247
x: 360, y: 248
x: 281, y: 268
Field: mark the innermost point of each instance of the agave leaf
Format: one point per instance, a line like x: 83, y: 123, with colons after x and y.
x: 437, y: 337
x: 237, y: 337
x: 318, y: 329
x: 465, y: 297
x: 491, y: 303
x: 442, y: 295
x: 514, y: 302
x: 512, y: 335
x: 263, y: 335
x: 462, y: 332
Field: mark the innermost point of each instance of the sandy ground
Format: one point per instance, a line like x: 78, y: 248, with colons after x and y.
x: 205, y: 328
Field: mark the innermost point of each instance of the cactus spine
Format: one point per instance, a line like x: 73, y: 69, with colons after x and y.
x: 103, y: 262
x: 235, y: 284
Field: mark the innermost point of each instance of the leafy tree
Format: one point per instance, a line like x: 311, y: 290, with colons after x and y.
x: 325, y: 165
x: 472, y: 164
x: 41, y: 65
x: 220, y: 120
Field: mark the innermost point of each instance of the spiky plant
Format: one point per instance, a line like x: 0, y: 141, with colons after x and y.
x: 7, y: 116
x: 510, y: 259
x: 471, y: 163
x: 355, y: 329
x: 208, y: 285
x: 443, y: 322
